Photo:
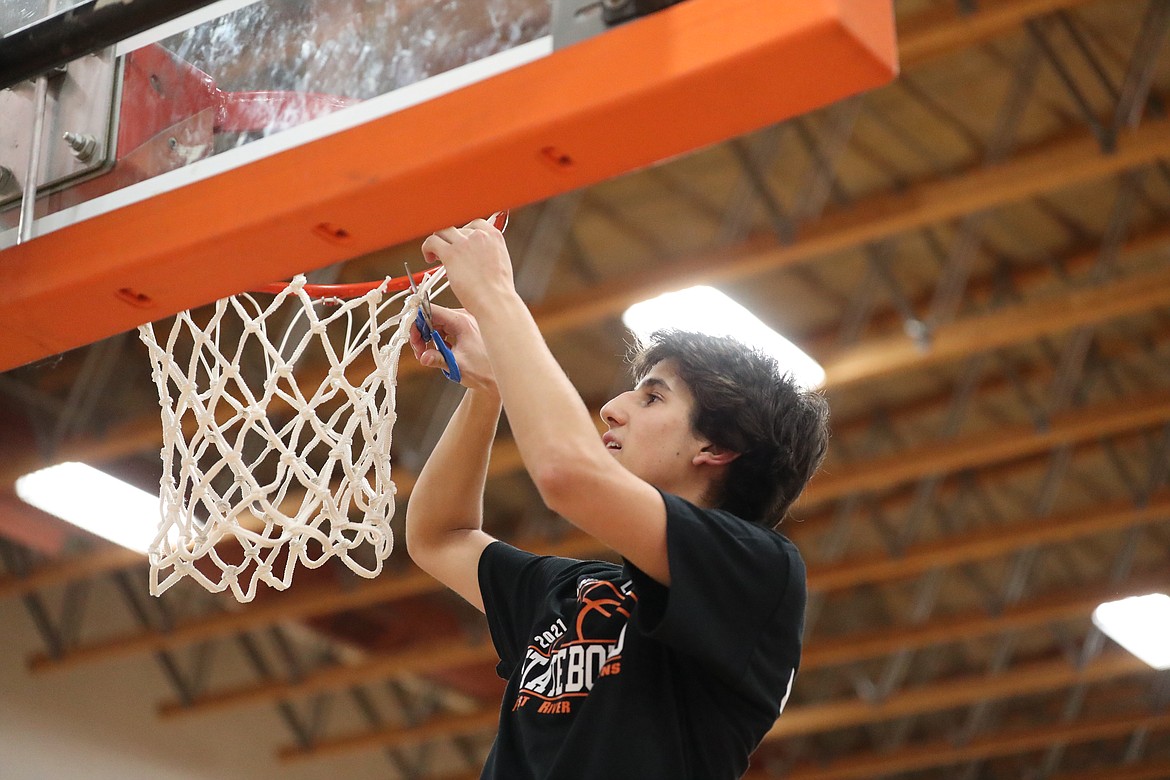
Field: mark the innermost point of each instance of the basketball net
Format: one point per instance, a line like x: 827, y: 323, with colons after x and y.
x: 278, y: 462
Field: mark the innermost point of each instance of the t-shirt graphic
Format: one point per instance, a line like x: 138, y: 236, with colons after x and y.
x: 613, y: 675
x: 565, y: 662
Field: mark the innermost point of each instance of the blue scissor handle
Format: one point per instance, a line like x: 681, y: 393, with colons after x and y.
x: 430, y: 334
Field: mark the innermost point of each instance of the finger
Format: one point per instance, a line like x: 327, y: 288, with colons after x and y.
x: 432, y: 358
x: 452, y: 324
x: 484, y: 225
x: 433, y: 248
x: 449, y: 320
x: 449, y: 234
x: 416, y: 340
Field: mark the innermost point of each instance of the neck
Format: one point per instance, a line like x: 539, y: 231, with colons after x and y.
x: 702, y: 491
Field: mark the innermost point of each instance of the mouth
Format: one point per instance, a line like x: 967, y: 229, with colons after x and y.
x: 610, y: 443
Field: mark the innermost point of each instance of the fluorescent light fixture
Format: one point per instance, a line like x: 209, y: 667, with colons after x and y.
x: 707, y: 310
x: 95, y: 501
x: 1140, y: 624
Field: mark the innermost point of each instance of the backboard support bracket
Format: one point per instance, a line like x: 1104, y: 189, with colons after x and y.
x: 78, y: 136
x: 576, y: 20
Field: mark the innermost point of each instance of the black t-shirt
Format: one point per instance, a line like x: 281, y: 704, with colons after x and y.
x: 613, y: 676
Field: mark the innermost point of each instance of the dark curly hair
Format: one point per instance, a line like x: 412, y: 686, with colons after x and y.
x: 745, y: 403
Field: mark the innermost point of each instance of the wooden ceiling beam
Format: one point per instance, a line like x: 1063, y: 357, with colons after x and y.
x: 1022, y: 680
x: 1033, y: 370
x: 824, y: 342
x: 1027, y: 679
x: 911, y: 758
x: 818, y: 654
x: 278, y: 609
x: 1012, y: 325
x: 125, y: 438
x: 421, y: 659
x: 942, y: 31
x: 442, y: 727
x: 36, y: 530
x: 987, y: 543
x: 1052, y: 607
x: 1001, y: 445
x: 78, y: 567
x: 1148, y: 770
x: 901, y: 499
x: 1037, y: 373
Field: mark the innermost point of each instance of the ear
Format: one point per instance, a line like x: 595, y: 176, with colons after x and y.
x: 714, y: 455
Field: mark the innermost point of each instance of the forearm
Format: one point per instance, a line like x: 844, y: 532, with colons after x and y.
x: 448, y: 495
x: 549, y: 421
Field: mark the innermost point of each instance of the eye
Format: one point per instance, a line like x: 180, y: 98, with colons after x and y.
x: 652, y: 397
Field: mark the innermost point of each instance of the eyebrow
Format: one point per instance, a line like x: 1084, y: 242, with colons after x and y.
x: 653, y: 381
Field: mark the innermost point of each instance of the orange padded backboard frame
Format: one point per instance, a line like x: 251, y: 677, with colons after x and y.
x: 694, y: 74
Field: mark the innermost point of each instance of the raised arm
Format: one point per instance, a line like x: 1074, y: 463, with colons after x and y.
x: 444, y: 516
x: 561, y: 449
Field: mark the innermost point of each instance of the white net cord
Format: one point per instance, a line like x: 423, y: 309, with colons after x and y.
x: 262, y: 472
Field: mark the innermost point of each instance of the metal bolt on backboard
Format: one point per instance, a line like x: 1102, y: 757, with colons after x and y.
x: 83, y: 145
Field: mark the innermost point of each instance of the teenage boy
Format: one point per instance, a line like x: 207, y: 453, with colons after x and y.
x: 675, y: 663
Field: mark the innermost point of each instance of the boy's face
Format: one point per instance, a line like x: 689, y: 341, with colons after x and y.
x: 650, y: 430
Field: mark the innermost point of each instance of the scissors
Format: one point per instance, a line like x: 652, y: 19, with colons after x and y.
x: 427, y: 331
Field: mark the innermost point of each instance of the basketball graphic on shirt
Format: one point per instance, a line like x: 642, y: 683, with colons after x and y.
x: 604, y: 609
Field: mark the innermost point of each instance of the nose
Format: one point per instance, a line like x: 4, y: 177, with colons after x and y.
x: 612, y: 414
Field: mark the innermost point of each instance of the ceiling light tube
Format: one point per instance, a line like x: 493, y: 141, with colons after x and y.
x: 707, y: 310
x: 1140, y: 624
x: 94, y: 501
